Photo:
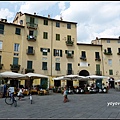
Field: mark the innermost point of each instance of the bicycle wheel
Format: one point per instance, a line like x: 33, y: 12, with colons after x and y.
x: 9, y: 100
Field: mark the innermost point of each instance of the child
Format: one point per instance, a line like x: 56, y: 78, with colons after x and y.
x: 65, y: 95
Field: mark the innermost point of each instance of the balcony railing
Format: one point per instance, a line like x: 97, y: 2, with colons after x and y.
x: 1, y: 66
x: 98, y: 72
x: 83, y: 58
x: 29, y: 52
x: 107, y: 53
x: 31, y: 38
x: 32, y: 25
x: 69, y: 55
x: 15, y: 67
x: 28, y: 70
x: 69, y: 42
x: 69, y: 72
x: 97, y: 59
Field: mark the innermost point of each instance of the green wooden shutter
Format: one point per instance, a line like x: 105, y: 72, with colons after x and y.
x: 35, y: 33
x: 72, y: 52
x: 15, y: 61
x: 48, y: 50
x: 66, y: 51
x: 36, y: 20
x: 60, y: 53
x: 29, y: 64
x: 54, y: 52
x: 27, y: 19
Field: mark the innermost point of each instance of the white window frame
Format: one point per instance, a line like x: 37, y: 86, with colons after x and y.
x: 16, y: 47
x: 1, y: 43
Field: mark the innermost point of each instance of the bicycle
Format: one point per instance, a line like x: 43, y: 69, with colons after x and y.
x: 10, y: 100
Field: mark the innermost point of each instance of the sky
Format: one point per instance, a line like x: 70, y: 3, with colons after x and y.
x: 94, y: 18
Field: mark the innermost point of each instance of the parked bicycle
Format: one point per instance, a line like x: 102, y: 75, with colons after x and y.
x: 10, y: 99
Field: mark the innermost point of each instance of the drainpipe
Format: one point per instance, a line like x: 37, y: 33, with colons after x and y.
x: 102, y: 57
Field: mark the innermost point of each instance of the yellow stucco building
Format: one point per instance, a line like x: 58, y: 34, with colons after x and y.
x: 43, y: 45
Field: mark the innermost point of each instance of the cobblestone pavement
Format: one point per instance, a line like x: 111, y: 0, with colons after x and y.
x: 88, y: 106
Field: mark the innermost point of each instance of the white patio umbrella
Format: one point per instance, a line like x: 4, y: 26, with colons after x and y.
x: 35, y: 75
x: 11, y: 75
x: 31, y: 76
x: 70, y: 77
x: 117, y: 80
x: 96, y: 77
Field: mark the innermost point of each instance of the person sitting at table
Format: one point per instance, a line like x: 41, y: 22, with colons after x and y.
x: 20, y: 94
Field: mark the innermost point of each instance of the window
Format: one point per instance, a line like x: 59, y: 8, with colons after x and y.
x: 83, y: 54
x: 0, y: 59
x: 98, y: 72
x: 118, y: 41
x: 68, y: 26
x: 16, y: 47
x: 110, y: 72
x: 110, y: 62
x: 44, y: 65
x: 57, y: 66
x: 57, y: 36
x: 108, y: 41
x: 17, y: 31
x: 1, y: 44
x: 45, y: 22
x: 109, y: 50
x: 57, y: 52
x: 45, y: 35
x: 30, y: 49
x: 21, y: 22
x: 15, y: 61
x: 57, y: 24
x: 69, y: 68
x: 69, y: 37
x: 31, y: 32
x: 97, y: 55
x: 69, y: 53
x: 29, y: 64
x: 118, y: 50
x: 44, y: 50
x: 1, y: 29
x: 32, y: 20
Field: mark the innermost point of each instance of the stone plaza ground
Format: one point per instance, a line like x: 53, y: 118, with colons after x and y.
x: 80, y: 106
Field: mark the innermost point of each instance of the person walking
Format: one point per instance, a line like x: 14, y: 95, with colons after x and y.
x: 65, y: 94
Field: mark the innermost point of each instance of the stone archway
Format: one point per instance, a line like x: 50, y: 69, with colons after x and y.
x: 83, y: 73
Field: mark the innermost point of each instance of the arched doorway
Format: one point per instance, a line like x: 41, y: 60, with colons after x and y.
x: 111, y: 82
x: 83, y: 73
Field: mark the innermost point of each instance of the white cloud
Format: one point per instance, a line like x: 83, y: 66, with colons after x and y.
x: 62, y: 6
x: 5, y: 13
x: 36, y: 6
x: 94, y: 18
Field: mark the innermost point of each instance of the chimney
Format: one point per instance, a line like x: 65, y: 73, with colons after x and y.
x: 119, y: 37
x: 3, y: 20
x: 48, y: 16
x: 96, y: 38
x: 34, y: 13
x: 61, y: 18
